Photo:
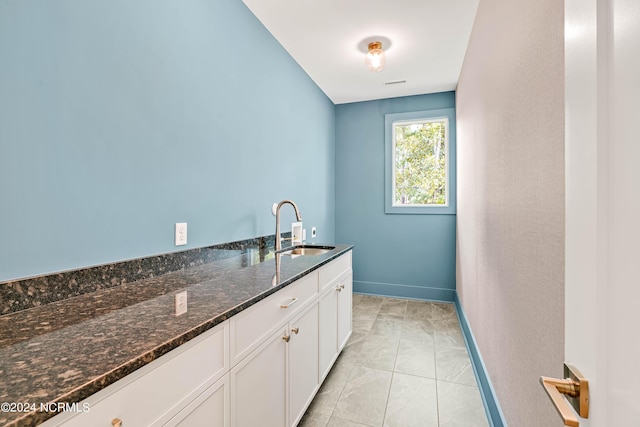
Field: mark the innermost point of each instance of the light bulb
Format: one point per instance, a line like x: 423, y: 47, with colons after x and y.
x: 375, y: 58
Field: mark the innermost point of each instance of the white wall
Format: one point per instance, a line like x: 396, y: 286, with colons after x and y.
x: 510, y: 268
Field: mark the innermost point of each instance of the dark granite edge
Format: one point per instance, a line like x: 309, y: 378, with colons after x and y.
x: 25, y: 293
x: 32, y: 419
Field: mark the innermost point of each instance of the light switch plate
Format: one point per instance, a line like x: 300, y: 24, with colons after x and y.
x: 181, y: 233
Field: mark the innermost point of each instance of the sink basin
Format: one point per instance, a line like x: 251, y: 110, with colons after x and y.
x: 308, y: 250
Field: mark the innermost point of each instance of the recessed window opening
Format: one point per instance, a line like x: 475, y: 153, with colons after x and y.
x: 420, y: 162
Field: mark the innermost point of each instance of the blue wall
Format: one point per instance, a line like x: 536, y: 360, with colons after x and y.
x: 398, y: 255
x: 120, y: 118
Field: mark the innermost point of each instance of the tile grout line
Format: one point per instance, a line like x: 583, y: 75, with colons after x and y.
x: 345, y: 384
x: 340, y: 395
x: 393, y: 373
x: 435, y: 368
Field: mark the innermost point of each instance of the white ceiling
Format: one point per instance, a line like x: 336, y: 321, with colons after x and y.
x: 424, y: 40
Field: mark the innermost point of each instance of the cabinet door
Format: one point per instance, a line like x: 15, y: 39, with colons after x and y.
x: 328, y: 330
x: 258, y: 385
x: 210, y: 409
x: 303, y: 362
x: 344, y: 309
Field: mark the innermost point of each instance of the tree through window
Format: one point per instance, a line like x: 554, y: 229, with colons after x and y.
x: 420, y: 162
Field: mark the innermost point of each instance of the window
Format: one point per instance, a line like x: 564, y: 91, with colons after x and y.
x: 420, y: 153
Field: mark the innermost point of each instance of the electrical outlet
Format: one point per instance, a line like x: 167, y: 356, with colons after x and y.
x: 181, y: 233
x: 296, y: 233
x: 181, y: 303
x: 313, y: 232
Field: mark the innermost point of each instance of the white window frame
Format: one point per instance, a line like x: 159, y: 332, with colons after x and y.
x: 393, y: 120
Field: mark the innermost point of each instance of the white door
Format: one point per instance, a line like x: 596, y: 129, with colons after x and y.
x: 328, y: 330
x: 258, y: 385
x: 210, y: 409
x: 345, y: 284
x: 303, y: 363
x: 602, y: 294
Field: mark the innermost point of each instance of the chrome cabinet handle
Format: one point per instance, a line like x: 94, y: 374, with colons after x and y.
x: 295, y: 330
x: 293, y: 301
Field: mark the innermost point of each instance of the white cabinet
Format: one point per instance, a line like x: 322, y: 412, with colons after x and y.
x: 262, y: 367
x: 275, y: 382
x: 273, y: 386
x: 154, y: 394
x: 259, y: 384
x: 252, y: 326
x: 334, y: 311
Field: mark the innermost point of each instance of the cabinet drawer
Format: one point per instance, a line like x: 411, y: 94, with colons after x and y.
x: 159, y: 390
x: 250, y: 327
x: 330, y: 271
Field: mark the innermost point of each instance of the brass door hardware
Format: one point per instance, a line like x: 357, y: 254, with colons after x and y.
x: 293, y: 301
x: 286, y: 338
x: 295, y: 330
x: 116, y: 422
x: 340, y: 288
x: 575, y: 387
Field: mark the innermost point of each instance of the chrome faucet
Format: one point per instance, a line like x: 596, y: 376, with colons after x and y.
x: 298, y: 218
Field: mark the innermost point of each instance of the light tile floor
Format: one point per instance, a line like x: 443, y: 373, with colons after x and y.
x: 405, y: 365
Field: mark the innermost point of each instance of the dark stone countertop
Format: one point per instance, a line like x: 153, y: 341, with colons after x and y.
x: 68, y: 350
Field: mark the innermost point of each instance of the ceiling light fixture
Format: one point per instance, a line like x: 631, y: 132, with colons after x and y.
x: 375, y: 58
